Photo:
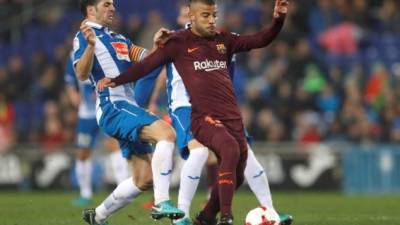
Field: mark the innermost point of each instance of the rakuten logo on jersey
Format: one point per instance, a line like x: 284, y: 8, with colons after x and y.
x: 209, y: 65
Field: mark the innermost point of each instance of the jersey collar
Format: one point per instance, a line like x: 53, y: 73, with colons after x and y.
x: 100, y: 27
x: 94, y: 25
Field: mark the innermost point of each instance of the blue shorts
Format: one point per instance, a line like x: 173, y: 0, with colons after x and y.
x: 124, y: 122
x: 129, y: 148
x: 87, y: 131
x: 181, y: 123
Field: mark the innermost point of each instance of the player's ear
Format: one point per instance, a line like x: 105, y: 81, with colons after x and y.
x: 91, y: 10
x: 191, y: 15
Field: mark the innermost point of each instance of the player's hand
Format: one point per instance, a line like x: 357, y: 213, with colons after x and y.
x: 88, y: 33
x: 281, y: 8
x: 162, y: 36
x: 105, y: 83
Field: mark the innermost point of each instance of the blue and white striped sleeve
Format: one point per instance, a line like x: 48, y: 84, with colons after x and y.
x: 79, y: 47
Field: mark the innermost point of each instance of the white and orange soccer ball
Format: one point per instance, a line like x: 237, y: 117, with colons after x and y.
x: 262, y: 216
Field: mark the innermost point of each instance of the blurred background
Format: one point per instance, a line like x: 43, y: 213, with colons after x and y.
x: 322, y: 102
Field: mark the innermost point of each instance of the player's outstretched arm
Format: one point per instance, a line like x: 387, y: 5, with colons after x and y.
x: 84, y: 65
x: 281, y: 8
x: 139, y: 70
x: 264, y: 37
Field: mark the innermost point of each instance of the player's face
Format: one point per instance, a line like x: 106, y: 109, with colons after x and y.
x: 105, y: 12
x: 203, y: 19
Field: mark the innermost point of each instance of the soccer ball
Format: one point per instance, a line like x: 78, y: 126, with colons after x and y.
x: 262, y: 216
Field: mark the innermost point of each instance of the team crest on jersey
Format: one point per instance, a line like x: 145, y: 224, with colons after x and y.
x: 221, y: 48
x: 121, y: 49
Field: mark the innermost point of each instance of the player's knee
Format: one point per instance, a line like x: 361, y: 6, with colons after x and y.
x: 229, y: 149
x: 166, y: 133
x: 158, y: 131
x: 199, y: 154
x: 170, y: 134
x: 144, y: 183
x: 194, y: 144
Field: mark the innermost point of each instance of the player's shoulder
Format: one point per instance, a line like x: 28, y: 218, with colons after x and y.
x: 179, y: 35
x: 79, y: 35
x: 78, y: 41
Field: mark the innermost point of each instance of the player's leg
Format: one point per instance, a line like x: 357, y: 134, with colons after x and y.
x: 129, y: 122
x: 118, y: 163
x: 215, y: 135
x: 258, y: 183
x: 128, y: 189
x: 190, y: 178
x: 163, y: 136
x: 226, y: 218
x: 194, y: 153
x: 212, y: 172
x: 226, y: 136
x: 257, y: 180
x: 87, y: 130
x: 83, y: 171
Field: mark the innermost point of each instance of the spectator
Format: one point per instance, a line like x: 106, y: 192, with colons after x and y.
x: 388, y: 17
x: 322, y: 16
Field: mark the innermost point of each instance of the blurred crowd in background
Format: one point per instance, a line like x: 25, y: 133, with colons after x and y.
x: 332, y: 75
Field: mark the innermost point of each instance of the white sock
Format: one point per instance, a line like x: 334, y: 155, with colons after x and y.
x: 190, y: 177
x: 123, y: 194
x: 161, y: 165
x: 119, y: 165
x: 83, y: 169
x: 257, y: 180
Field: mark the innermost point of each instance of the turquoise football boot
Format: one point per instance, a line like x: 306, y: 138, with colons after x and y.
x: 286, y: 219
x: 184, y: 221
x: 81, y: 201
x: 166, y: 209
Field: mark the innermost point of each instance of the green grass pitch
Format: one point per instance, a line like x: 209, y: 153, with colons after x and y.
x: 308, y: 208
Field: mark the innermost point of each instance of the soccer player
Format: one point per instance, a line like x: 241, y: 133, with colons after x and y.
x: 179, y: 112
x: 201, y: 56
x: 82, y: 96
x: 98, y: 51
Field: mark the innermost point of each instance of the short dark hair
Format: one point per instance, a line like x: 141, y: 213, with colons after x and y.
x: 207, y: 2
x: 85, y: 3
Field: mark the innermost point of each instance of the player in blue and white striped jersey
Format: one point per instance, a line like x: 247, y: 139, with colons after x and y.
x: 83, y: 97
x: 99, y: 51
